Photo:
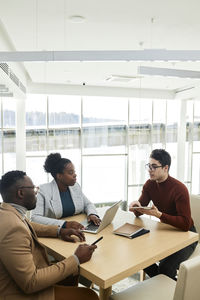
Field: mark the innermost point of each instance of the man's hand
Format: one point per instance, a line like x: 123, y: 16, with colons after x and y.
x: 84, y: 252
x: 66, y: 235
x: 74, y: 225
x: 134, y: 204
x: 151, y: 212
x: 94, y: 219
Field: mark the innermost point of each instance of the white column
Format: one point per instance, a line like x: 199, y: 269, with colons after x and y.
x: 20, y: 135
x: 181, y: 140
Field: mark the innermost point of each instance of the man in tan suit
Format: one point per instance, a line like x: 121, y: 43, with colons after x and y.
x: 25, y: 271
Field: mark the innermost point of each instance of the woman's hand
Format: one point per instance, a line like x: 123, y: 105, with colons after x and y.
x: 94, y: 219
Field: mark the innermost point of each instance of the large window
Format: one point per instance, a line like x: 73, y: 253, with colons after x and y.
x: 109, y: 141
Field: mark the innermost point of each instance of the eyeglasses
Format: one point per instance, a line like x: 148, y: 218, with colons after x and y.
x: 35, y: 188
x: 152, y: 167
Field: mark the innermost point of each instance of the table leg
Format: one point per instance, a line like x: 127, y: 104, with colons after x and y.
x: 104, y: 294
x: 142, y: 275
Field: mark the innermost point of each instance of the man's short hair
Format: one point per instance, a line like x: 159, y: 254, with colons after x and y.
x: 9, y: 179
x: 162, y: 156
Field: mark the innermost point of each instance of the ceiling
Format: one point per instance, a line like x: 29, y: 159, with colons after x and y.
x: 46, y: 25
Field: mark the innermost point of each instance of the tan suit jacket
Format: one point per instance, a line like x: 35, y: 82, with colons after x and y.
x: 25, y: 272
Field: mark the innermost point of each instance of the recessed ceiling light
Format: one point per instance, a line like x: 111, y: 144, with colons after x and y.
x: 77, y: 19
x: 121, y: 78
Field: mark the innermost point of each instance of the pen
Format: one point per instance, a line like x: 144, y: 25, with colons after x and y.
x: 97, y: 240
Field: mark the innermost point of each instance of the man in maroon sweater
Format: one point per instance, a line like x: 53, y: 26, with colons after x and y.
x: 171, y: 205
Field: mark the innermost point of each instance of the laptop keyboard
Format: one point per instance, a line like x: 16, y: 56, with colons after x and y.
x: 92, y: 227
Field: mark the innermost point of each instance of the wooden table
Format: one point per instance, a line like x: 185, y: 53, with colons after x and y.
x: 118, y: 257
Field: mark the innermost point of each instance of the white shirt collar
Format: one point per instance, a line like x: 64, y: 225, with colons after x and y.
x: 21, y: 209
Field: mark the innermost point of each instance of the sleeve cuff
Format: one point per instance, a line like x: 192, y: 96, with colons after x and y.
x: 64, y: 224
x: 76, y: 257
x: 58, y: 230
x: 94, y: 215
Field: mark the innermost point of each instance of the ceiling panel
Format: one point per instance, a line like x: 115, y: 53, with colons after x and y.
x: 109, y: 25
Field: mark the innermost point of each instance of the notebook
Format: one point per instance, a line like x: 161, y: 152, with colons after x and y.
x: 106, y: 220
x: 130, y: 230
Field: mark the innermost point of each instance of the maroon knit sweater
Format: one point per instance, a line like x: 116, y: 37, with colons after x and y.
x: 172, y: 199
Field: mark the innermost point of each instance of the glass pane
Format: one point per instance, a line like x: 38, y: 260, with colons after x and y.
x: 172, y: 113
x: 64, y: 111
x: 140, y: 122
x: 9, y: 141
x: 196, y: 144
x: 196, y: 127
x: 36, y: 106
x: 134, y: 193
x: 196, y: 111
x: 196, y: 174
x: 189, y: 111
x: 159, y: 111
x: 172, y: 149
x: 104, y: 110
x: 9, y: 162
x: 104, y: 125
x: 9, y: 148
x: 140, y: 139
x: 64, y: 139
x: 188, y: 165
x: 171, y: 134
x: 104, y: 178
x: 36, y: 141
x: 138, y: 157
x: 157, y: 146
x: 34, y: 169
x: 188, y: 144
x: 9, y: 109
x: 140, y: 111
x: 159, y: 119
x: 140, y: 135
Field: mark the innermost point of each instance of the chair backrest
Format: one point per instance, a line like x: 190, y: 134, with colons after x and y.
x: 187, y: 286
x: 195, y: 210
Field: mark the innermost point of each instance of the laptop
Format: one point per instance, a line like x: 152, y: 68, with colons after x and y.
x: 106, y: 220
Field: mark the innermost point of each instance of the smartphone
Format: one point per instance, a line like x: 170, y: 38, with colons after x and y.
x: 97, y: 240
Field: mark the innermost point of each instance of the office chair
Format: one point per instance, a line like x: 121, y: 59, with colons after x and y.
x: 162, y: 287
x: 74, y: 293
x: 195, y: 211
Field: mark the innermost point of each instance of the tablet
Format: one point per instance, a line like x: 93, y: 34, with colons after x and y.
x: 144, y: 207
